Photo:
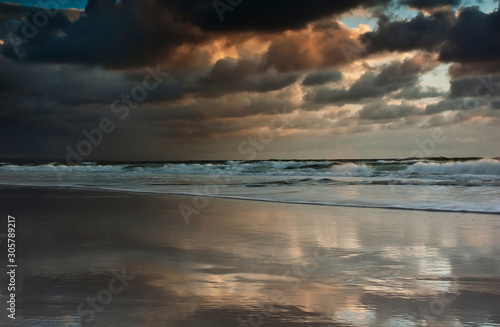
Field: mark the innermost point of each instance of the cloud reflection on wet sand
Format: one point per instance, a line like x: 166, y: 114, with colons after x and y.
x: 329, y: 265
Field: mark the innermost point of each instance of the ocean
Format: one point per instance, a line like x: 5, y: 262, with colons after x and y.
x: 437, y: 184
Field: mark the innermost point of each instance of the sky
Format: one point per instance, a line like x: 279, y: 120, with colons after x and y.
x: 218, y: 80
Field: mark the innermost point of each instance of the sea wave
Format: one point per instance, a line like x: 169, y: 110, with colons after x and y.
x: 466, y: 184
x: 364, y: 168
x: 476, y: 167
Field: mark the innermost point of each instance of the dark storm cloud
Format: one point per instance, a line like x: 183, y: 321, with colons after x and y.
x: 474, y: 37
x: 78, y: 85
x: 428, y: 4
x: 391, y: 78
x: 381, y: 110
x: 425, y: 32
x: 130, y: 34
x: 495, y: 104
x: 73, y: 84
x: 65, y: 78
x: 133, y: 33
x: 266, y: 82
x: 469, y: 94
x: 460, y: 70
x: 45, y: 107
x: 322, y: 77
x: 61, y: 83
x: 470, y: 38
x: 236, y: 75
x: 227, y: 76
x: 209, y: 109
x: 20, y: 35
x: 480, y: 86
x: 9, y: 11
x: 370, y: 85
x: 229, y: 70
x: 15, y: 13
x: 37, y: 127
x: 151, y: 30
x: 262, y: 15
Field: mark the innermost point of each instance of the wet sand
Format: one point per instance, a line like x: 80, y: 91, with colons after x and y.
x: 97, y: 258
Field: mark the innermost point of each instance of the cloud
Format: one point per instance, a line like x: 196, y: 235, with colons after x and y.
x: 262, y: 15
x: 458, y: 104
x: 44, y: 107
x: 417, y: 92
x: 265, y: 82
x: 381, y: 110
x: 235, y: 106
x: 426, y: 32
x: 429, y: 4
x: 495, y: 104
x: 322, y: 77
x: 13, y: 14
x: 75, y: 84
x: 322, y: 45
x: 480, y: 86
x: 127, y: 34
x: 152, y: 30
x: 79, y: 85
x: 230, y: 70
x: 156, y: 31
x: 437, y: 121
x: 474, y: 37
x: 227, y: 77
x: 392, y: 77
x: 468, y: 69
x: 469, y: 38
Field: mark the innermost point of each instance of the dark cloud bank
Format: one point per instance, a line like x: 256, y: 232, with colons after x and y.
x: 65, y: 77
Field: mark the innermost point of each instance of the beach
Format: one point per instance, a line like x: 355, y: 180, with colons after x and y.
x: 249, y: 163
x: 108, y: 258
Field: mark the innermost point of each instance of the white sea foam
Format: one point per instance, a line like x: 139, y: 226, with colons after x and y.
x: 477, y: 167
x: 440, y: 184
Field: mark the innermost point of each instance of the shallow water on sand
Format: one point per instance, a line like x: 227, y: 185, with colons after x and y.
x: 243, y: 263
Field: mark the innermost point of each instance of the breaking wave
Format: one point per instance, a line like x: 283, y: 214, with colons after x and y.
x: 479, y: 167
x: 464, y: 184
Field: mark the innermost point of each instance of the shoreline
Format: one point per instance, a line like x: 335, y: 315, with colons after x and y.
x: 306, y: 203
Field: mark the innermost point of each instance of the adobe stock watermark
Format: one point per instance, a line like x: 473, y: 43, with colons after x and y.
x: 221, y: 7
x: 121, y: 107
x: 87, y: 309
x: 201, y: 201
x: 428, y: 146
x: 257, y: 143
x: 301, y: 272
x: 351, y: 50
x: 6, y: 317
x: 438, y: 306
x: 249, y: 148
x: 30, y: 28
